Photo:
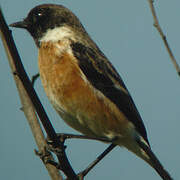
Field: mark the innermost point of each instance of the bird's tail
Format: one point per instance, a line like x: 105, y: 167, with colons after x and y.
x: 147, y: 155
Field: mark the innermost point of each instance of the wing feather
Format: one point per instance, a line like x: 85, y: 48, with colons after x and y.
x: 103, y: 76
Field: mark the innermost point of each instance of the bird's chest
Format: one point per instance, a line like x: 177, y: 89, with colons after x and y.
x: 60, y: 75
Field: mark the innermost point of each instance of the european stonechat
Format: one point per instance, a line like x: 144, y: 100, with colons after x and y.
x: 82, y: 85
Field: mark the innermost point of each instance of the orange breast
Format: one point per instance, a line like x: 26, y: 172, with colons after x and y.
x: 80, y: 105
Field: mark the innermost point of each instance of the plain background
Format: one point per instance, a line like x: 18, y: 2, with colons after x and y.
x: 125, y: 33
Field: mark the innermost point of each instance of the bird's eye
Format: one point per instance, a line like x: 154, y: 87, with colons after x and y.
x: 39, y: 13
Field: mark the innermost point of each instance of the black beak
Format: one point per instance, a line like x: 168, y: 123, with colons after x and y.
x: 20, y: 24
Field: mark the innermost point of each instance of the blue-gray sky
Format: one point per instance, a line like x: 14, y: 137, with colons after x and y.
x: 125, y: 33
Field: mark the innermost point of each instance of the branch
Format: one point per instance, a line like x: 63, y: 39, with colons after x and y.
x: 97, y: 160
x: 157, y: 26
x: 32, y: 105
x: 34, y: 78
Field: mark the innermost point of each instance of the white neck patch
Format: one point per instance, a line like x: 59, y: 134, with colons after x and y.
x: 57, y: 34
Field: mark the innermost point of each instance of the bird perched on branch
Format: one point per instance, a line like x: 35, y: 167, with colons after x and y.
x: 81, y: 83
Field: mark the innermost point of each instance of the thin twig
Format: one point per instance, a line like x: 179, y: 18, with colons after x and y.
x: 34, y: 78
x: 159, y: 29
x: 98, y: 159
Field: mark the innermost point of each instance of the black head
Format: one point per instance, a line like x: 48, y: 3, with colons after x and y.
x: 48, y: 16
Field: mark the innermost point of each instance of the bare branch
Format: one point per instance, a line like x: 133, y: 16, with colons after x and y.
x: 31, y: 103
x: 158, y: 27
x: 98, y: 159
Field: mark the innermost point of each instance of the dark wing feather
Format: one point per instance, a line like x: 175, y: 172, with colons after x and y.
x: 103, y: 77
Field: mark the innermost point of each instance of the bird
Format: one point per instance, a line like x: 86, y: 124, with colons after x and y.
x: 82, y: 85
